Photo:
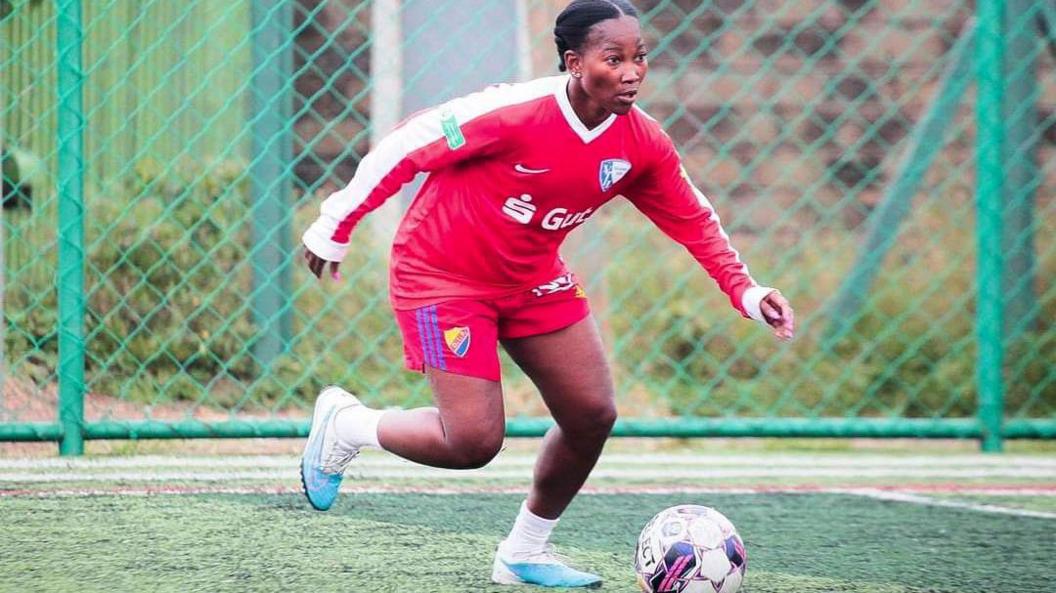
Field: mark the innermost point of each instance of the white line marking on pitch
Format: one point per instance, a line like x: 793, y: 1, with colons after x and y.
x: 887, y: 495
x: 907, y: 497
x: 417, y: 472
x: 519, y: 460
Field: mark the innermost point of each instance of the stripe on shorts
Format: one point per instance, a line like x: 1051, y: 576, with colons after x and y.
x: 441, y: 364
x: 422, y: 337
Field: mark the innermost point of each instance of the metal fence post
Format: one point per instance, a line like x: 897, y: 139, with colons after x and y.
x: 270, y: 177
x: 989, y: 213
x: 70, y: 283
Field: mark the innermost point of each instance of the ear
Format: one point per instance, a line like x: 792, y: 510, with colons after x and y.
x: 573, y: 61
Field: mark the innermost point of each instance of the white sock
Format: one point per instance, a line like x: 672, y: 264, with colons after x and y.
x: 529, y: 534
x: 357, y: 426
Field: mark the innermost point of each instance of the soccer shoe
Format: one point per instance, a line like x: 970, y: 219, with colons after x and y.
x: 325, y: 458
x: 543, y: 568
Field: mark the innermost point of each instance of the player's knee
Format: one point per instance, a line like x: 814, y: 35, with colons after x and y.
x: 477, y: 451
x: 476, y: 456
x: 594, y: 421
x: 606, y: 418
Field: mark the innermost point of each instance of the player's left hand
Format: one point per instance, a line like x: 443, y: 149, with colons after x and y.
x: 779, y: 315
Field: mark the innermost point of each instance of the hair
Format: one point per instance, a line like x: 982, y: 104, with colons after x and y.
x: 573, y: 24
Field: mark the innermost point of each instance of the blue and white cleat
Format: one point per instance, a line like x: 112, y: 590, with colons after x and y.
x: 325, y: 457
x: 542, y: 568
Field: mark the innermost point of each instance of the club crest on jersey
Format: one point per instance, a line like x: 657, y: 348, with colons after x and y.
x: 611, y: 171
x: 457, y: 339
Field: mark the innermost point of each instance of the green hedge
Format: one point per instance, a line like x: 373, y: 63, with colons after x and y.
x: 169, y: 319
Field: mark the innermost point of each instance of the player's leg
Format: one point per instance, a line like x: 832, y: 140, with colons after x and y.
x: 455, y: 344
x: 464, y: 430
x: 569, y: 368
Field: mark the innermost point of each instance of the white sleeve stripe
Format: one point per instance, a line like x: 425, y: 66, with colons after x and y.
x: 422, y: 131
x: 722, y: 232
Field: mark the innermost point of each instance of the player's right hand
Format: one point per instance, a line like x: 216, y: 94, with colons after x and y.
x: 779, y: 316
x: 317, y: 264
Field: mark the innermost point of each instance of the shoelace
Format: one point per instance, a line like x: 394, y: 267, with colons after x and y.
x: 339, y: 459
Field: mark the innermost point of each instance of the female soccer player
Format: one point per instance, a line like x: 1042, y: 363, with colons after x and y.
x: 512, y: 170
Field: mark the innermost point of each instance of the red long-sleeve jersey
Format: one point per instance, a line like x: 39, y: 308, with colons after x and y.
x: 512, y: 170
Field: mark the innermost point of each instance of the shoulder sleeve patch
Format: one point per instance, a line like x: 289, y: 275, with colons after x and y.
x: 451, y: 129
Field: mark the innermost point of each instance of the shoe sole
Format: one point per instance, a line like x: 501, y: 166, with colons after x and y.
x: 304, y: 488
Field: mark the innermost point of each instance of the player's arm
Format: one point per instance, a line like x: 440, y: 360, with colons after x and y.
x: 665, y: 194
x: 435, y: 138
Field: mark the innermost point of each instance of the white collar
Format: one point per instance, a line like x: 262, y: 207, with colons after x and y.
x: 561, y: 94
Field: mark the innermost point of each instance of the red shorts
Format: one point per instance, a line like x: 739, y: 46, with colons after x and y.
x: 462, y: 336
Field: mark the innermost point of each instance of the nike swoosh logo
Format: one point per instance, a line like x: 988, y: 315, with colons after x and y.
x: 522, y: 169
x: 314, y: 454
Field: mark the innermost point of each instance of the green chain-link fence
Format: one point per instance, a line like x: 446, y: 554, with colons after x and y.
x: 890, y: 164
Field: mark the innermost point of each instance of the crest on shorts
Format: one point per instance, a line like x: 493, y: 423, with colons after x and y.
x: 457, y: 339
x: 611, y: 171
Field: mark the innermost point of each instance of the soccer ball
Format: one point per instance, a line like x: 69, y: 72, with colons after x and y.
x: 690, y: 549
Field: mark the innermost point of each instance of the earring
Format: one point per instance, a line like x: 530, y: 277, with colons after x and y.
x: 577, y: 74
